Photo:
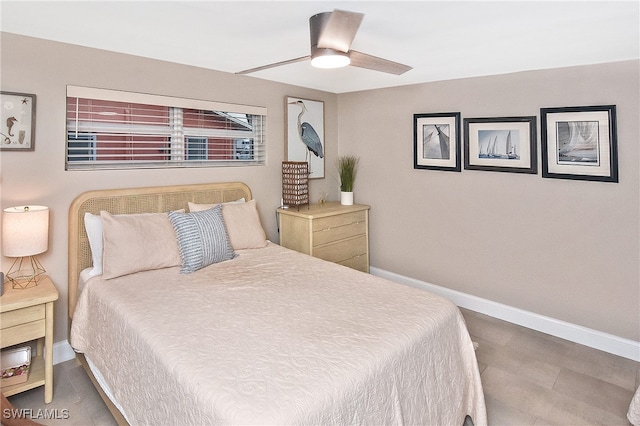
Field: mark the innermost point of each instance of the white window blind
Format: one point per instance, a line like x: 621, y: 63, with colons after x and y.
x: 108, y: 129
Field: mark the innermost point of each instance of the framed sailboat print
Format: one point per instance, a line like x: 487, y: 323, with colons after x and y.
x: 580, y: 143
x: 501, y: 144
x: 436, y: 141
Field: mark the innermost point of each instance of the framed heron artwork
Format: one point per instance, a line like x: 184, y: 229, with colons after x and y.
x: 305, y: 134
x: 17, y: 121
x: 436, y: 141
x: 501, y: 144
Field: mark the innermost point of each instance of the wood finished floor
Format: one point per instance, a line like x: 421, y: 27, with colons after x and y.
x: 529, y: 378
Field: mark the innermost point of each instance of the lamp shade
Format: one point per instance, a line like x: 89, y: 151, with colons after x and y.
x: 25, y: 231
x: 295, y: 183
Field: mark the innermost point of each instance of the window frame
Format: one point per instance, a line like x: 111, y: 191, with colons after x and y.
x: 220, y: 124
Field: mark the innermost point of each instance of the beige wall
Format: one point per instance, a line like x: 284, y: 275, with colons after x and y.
x: 45, y: 68
x: 564, y: 249
x: 560, y: 248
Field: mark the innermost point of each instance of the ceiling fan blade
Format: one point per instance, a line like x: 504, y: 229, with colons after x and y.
x: 338, y: 31
x: 276, y: 64
x: 362, y: 60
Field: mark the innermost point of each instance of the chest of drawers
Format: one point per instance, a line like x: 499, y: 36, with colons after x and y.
x: 331, y: 232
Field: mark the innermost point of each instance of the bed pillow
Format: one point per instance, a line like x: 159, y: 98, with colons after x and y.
x: 137, y: 242
x: 243, y: 225
x: 193, y: 207
x: 202, y: 238
x: 93, y: 226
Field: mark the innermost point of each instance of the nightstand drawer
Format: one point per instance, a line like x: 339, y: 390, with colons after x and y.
x: 342, y: 250
x: 22, y: 333
x: 21, y: 316
x: 334, y: 228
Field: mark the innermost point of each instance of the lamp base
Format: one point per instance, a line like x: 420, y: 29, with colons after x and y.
x: 25, y: 272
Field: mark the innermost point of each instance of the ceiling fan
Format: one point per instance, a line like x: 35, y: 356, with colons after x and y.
x: 331, y: 35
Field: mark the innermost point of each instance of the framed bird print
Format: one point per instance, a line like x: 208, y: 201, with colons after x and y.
x: 305, y: 134
x: 18, y: 121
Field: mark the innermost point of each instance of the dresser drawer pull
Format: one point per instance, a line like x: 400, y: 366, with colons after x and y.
x: 329, y: 228
x: 355, y: 257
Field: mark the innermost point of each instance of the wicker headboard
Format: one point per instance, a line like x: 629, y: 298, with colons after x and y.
x: 135, y: 200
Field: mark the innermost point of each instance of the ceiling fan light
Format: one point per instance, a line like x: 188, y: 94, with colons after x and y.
x: 327, y: 58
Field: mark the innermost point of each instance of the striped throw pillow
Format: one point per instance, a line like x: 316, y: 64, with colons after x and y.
x: 202, y: 238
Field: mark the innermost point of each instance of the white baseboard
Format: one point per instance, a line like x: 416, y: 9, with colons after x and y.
x: 575, y: 333
x: 62, y: 351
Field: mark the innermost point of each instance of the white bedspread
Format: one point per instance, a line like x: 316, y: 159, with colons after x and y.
x: 277, y: 337
x: 634, y: 409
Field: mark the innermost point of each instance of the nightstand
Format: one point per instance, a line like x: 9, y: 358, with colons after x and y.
x: 27, y: 315
x: 330, y: 231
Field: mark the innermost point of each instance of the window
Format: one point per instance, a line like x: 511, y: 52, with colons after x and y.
x: 197, y: 148
x: 83, y: 146
x: 109, y: 129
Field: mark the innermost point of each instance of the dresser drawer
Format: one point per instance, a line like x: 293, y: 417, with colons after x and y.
x: 342, y: 250
x: 21, y: 316
x: 359, y: 262
x: 338, y: 227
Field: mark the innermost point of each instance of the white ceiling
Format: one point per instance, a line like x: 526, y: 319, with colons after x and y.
x: 441, y: 40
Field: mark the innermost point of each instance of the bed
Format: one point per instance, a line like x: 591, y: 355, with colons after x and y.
x: 633, y: 414
x: 261, y: 335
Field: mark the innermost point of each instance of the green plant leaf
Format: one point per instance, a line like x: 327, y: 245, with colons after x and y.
x: 347, y: 170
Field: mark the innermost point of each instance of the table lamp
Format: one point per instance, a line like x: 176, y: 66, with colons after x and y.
x: 295, y: 183
x: 25, y: 233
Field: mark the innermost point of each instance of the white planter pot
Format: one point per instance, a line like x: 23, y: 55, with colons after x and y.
x: 346, y: 198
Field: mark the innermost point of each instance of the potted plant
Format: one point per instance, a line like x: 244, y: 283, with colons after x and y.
x: 347, y: 169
